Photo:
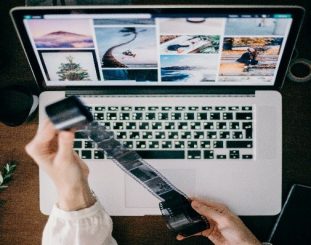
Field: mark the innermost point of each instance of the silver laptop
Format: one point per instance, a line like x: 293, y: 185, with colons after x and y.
x: 193, y: 89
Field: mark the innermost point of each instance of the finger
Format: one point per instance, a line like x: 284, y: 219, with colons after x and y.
x: 211, y: 203
x: 207, y: 211
x: 41, y: 142
x: 65, y: 144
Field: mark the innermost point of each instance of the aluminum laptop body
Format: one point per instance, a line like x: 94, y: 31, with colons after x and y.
x: 198, y: 60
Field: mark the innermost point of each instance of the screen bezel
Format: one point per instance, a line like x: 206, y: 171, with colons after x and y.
x: 296, y: 12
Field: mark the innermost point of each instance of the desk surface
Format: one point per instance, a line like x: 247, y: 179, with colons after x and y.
x: 20, y: 219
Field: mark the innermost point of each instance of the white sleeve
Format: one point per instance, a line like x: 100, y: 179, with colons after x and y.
x: 87, y: 226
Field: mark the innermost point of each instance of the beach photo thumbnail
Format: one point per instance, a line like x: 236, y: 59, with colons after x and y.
x: 245, y: 56
x: 191, y: 26
x: 50, y: 33
x: 189, y: 68
x: 127, y: 47
x: 256, y: 26
x: 69, y: 65
x: 139, y: 75
x: 189, y: 44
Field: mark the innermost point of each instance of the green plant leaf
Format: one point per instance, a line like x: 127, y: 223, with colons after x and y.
x: 1, y: 179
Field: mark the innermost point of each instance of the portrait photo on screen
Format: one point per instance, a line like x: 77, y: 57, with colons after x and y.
x: 69, y: 66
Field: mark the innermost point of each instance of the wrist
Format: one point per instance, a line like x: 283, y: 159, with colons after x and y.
x: 76, y: 199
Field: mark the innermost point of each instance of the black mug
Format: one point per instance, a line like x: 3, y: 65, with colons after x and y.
x: 17, y: 105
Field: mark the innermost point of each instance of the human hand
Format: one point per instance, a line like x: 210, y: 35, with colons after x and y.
x: 53, y: 152
x: 225, y: 227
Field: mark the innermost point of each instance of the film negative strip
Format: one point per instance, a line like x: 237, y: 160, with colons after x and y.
x: 175, y: 205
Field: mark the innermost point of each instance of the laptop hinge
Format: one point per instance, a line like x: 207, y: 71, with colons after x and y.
x: 162, y: 92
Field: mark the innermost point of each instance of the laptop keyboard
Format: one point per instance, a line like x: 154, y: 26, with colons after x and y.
x: 176, y: 132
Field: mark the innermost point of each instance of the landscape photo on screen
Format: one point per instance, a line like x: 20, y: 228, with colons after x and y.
x: 254, y: 57
x: 54, y: 33
x: 189, y: 68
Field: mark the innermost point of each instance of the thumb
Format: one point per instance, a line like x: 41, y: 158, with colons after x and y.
x: 206, y: 211
x: 65, y: 144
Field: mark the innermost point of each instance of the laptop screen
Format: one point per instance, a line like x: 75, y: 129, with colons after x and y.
x: 158, y: 49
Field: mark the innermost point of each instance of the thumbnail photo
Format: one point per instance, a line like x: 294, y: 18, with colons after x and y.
x: 143, y: 173
x: 189, y: 44
x: 191, y: 26
x: 158, y: 186
x: 189, y: 68
x: 69, y: 66
x: 256, y: 26
x: 48, y: 33
x: 127, y: 47
x: 123, y: 21
x: 244, y: 56
x: 130, y: 160
x: 131, y: 74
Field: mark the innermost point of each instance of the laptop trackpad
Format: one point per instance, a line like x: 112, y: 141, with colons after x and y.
x: 136, y: 196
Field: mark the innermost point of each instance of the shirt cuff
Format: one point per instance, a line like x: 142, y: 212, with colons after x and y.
x: 76, y: 215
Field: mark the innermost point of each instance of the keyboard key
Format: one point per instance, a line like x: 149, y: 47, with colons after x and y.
x: 195, y: 125
x: 140, y: 108
x: 176, y: 116
x: 211, y: 135
x: 143, y: 125
x: 153, y: 108
x: 247, y: 156
x: 182, y: 125
x: 166, y: 144
x: 208, y: 125
x: 111, y: 116
x: 205, y: 144
x: 185, y: 135
x: 77, y: 144
x: 198, y: 135
x: 128, y: 144
x: 147, y: 135
x: 221, y: 156
x: 243, y: 116
x: 99, y: 108
x: 193, y: 108
x: 214, y: 116
x: 169, y: 125
x: 166, y: 108
x: 163, y: 116
x: 234, y: 154
x: 234, y: 108
x: 224, y: 135
x: 121, y: 135
x: 192, y: 144
x: 130, y: 125
x: 99, y: 155
x: 180, y: 108
x: 168, y: 154
x: 237, y: 135
x: 81, y: 135
x: 154, y: 144
x: 247, y: 108
x: 227, y: 116
x: 89, y: 144
x: 86, y: 154
x: 117, y: 125
x: 207, y: 108
x: 124, y: 116
x: 239, y: 144
x: 173, y: 135
x: 248, y: 126
x: 156, y: 125
x: 218, y: 144
x: 159, y: 135
x: 234, y: 125
x: 113, y: 108
x: 209, y: 154
x: 137, y: 116
x: 179, y: 144
x: 126, y: 108
x: 194, y: 154
x: 202, y: 116
x: 220, y: 108
x: 141, y: 145
x: 189, y: 116
x: 150, y: 116
x: 98, y: 116
x: 134, y: 135
x: 221, y: 125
